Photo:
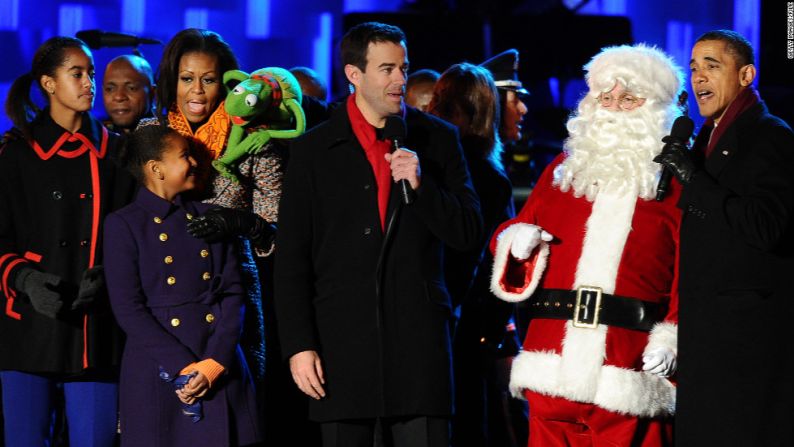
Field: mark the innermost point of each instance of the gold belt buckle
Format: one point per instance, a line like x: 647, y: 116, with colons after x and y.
x: 583, y: 293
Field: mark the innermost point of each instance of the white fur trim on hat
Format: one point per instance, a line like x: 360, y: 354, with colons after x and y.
x: 647, y: 71
x: 502, y: 258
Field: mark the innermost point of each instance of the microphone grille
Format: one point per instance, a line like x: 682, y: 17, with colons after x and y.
x: 682, y: 128
x: 394, y: 129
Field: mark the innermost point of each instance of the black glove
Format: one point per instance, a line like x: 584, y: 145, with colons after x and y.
x: 91, y: 286
x: 41, y: 289
x: 677, y: 159
x: 222, y: 223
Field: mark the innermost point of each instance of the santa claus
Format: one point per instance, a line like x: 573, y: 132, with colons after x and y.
x: 596, y: 256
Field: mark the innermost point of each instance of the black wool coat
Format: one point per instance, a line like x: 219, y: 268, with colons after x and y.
x: 54, y: 195
x: 373, y: 303
x: 735, y: 381
x: 483, y: 316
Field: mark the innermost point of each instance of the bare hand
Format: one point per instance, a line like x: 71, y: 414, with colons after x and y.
x: 307, y: 372
x: 405, y: 165
x: 184, y: 398
x: 195, y: 389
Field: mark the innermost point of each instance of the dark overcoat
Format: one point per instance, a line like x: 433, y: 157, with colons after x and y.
x: 180, y: 300
x: 373, y: 303
x: 483, y: 317
x: 54, y: 194
x: 481, y: 335
x: 735, y: 385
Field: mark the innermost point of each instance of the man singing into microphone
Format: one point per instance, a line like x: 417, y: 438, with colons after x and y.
x: 361, y: 305
x: 595, y: 255
x: 737, y: 257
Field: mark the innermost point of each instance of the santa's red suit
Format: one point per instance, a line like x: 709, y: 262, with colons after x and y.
x: 585, y: 386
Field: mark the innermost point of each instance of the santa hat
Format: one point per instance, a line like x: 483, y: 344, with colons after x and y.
x: 647, y: 72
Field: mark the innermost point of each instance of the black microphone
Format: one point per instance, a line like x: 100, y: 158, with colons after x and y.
x: 395, y: 131
x: 679, y: 136
x: 96, y: 39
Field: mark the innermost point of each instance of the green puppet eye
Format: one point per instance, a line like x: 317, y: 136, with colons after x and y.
x: 251, y: 100
x: 238, y: 90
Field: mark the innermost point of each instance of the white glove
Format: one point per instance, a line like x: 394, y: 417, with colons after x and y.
x: 526, y: 238
x: 660, y: 361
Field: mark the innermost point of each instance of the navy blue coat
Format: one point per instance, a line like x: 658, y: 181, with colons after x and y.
x: 180, y: 300
x: 372, y: 303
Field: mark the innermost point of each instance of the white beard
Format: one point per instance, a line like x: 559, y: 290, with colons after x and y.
x: 613, y: 152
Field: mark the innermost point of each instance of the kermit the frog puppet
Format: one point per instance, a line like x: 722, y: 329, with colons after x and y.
x: 262, y: 105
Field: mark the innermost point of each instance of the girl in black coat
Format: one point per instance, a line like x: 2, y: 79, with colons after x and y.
x: 57, y: 182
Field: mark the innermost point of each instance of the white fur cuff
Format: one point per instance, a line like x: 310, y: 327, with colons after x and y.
x: 663, y: 335
x: 502, y: 258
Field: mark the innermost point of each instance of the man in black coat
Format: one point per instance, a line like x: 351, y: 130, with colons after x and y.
x: 361, y: 305
x: 735, y: 385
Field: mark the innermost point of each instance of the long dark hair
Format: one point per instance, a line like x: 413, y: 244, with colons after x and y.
x: 144, y: 144
x: 20, y: 108
x: 465, y: 95
x: 189, y: 40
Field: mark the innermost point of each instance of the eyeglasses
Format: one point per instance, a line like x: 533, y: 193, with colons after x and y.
x: 625, y: 101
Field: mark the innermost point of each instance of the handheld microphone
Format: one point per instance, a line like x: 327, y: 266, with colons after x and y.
x: 96, y: 39
x: 395, y: 131
x: 679, y: 136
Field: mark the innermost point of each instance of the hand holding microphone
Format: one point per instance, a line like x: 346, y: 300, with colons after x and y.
x: 404, y: 163
x: 675, y: 157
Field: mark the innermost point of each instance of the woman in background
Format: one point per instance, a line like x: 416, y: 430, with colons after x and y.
x: 483, y: 345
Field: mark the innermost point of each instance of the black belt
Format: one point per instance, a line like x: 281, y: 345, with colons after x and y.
x: 588, y: 307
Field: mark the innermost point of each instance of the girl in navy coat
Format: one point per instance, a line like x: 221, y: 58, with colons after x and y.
x: 180, y: 301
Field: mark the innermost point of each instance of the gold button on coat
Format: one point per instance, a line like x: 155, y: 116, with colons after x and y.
x: 175, y: 322
x: 171, y: 280
x: 158, y: 220
x: 168, y: 259
x: 206, y: 276
x: 204, y: 253
x: 189, y: 216
x: 210, y: 318
x: 163, y: 237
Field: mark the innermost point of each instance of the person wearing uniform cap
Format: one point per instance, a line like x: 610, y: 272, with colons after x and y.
x: 504, y: 68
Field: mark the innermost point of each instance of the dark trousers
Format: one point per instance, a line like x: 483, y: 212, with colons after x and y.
x: 418, y: 431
